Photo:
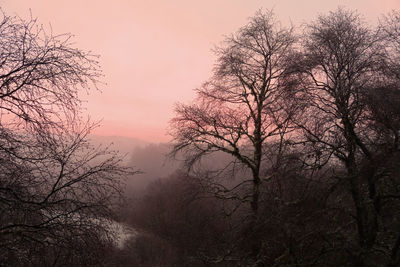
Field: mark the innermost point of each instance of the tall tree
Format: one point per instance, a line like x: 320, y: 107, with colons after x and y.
x: 345, y: 69
x: 56, y: 192
x: 240, y: 111
x: 241, y: 107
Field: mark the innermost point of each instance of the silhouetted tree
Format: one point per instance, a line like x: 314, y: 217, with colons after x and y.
x: 56, y: 192
x: 345, y: 67
x: 242, y: 107
x: 316, y: 125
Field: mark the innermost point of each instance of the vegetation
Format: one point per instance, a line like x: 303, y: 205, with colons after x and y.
x: 56, y: 192
x: 313, y: 120
x: 290, y: 151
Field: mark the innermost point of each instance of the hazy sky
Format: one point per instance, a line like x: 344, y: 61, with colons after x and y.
x: 155, y: 52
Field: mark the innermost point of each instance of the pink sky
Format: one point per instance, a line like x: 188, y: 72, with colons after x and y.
x: 155, y: 52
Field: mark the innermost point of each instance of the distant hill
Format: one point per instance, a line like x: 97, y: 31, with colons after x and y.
x: 152, y: 161
x: 125, y: 145
x: 147, y: 157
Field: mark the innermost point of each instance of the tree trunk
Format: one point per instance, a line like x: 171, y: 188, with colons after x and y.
x: 366, y: 214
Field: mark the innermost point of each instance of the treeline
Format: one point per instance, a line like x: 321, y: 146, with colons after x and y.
x: 309, y: 119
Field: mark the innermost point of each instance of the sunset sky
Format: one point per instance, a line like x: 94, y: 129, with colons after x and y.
x: 155, y: 52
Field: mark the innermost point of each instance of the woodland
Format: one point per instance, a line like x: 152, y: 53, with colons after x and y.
x: 288, y: 156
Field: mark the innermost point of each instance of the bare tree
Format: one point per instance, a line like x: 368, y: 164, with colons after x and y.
x: 240, y: 108
x: 56, y: 191
x: 345, y: 70
x: 243, y: 107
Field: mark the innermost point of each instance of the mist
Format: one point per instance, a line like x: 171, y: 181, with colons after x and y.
x: 128, y: 145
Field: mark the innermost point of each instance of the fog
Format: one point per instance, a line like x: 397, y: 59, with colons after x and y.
x: 287, y: 155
